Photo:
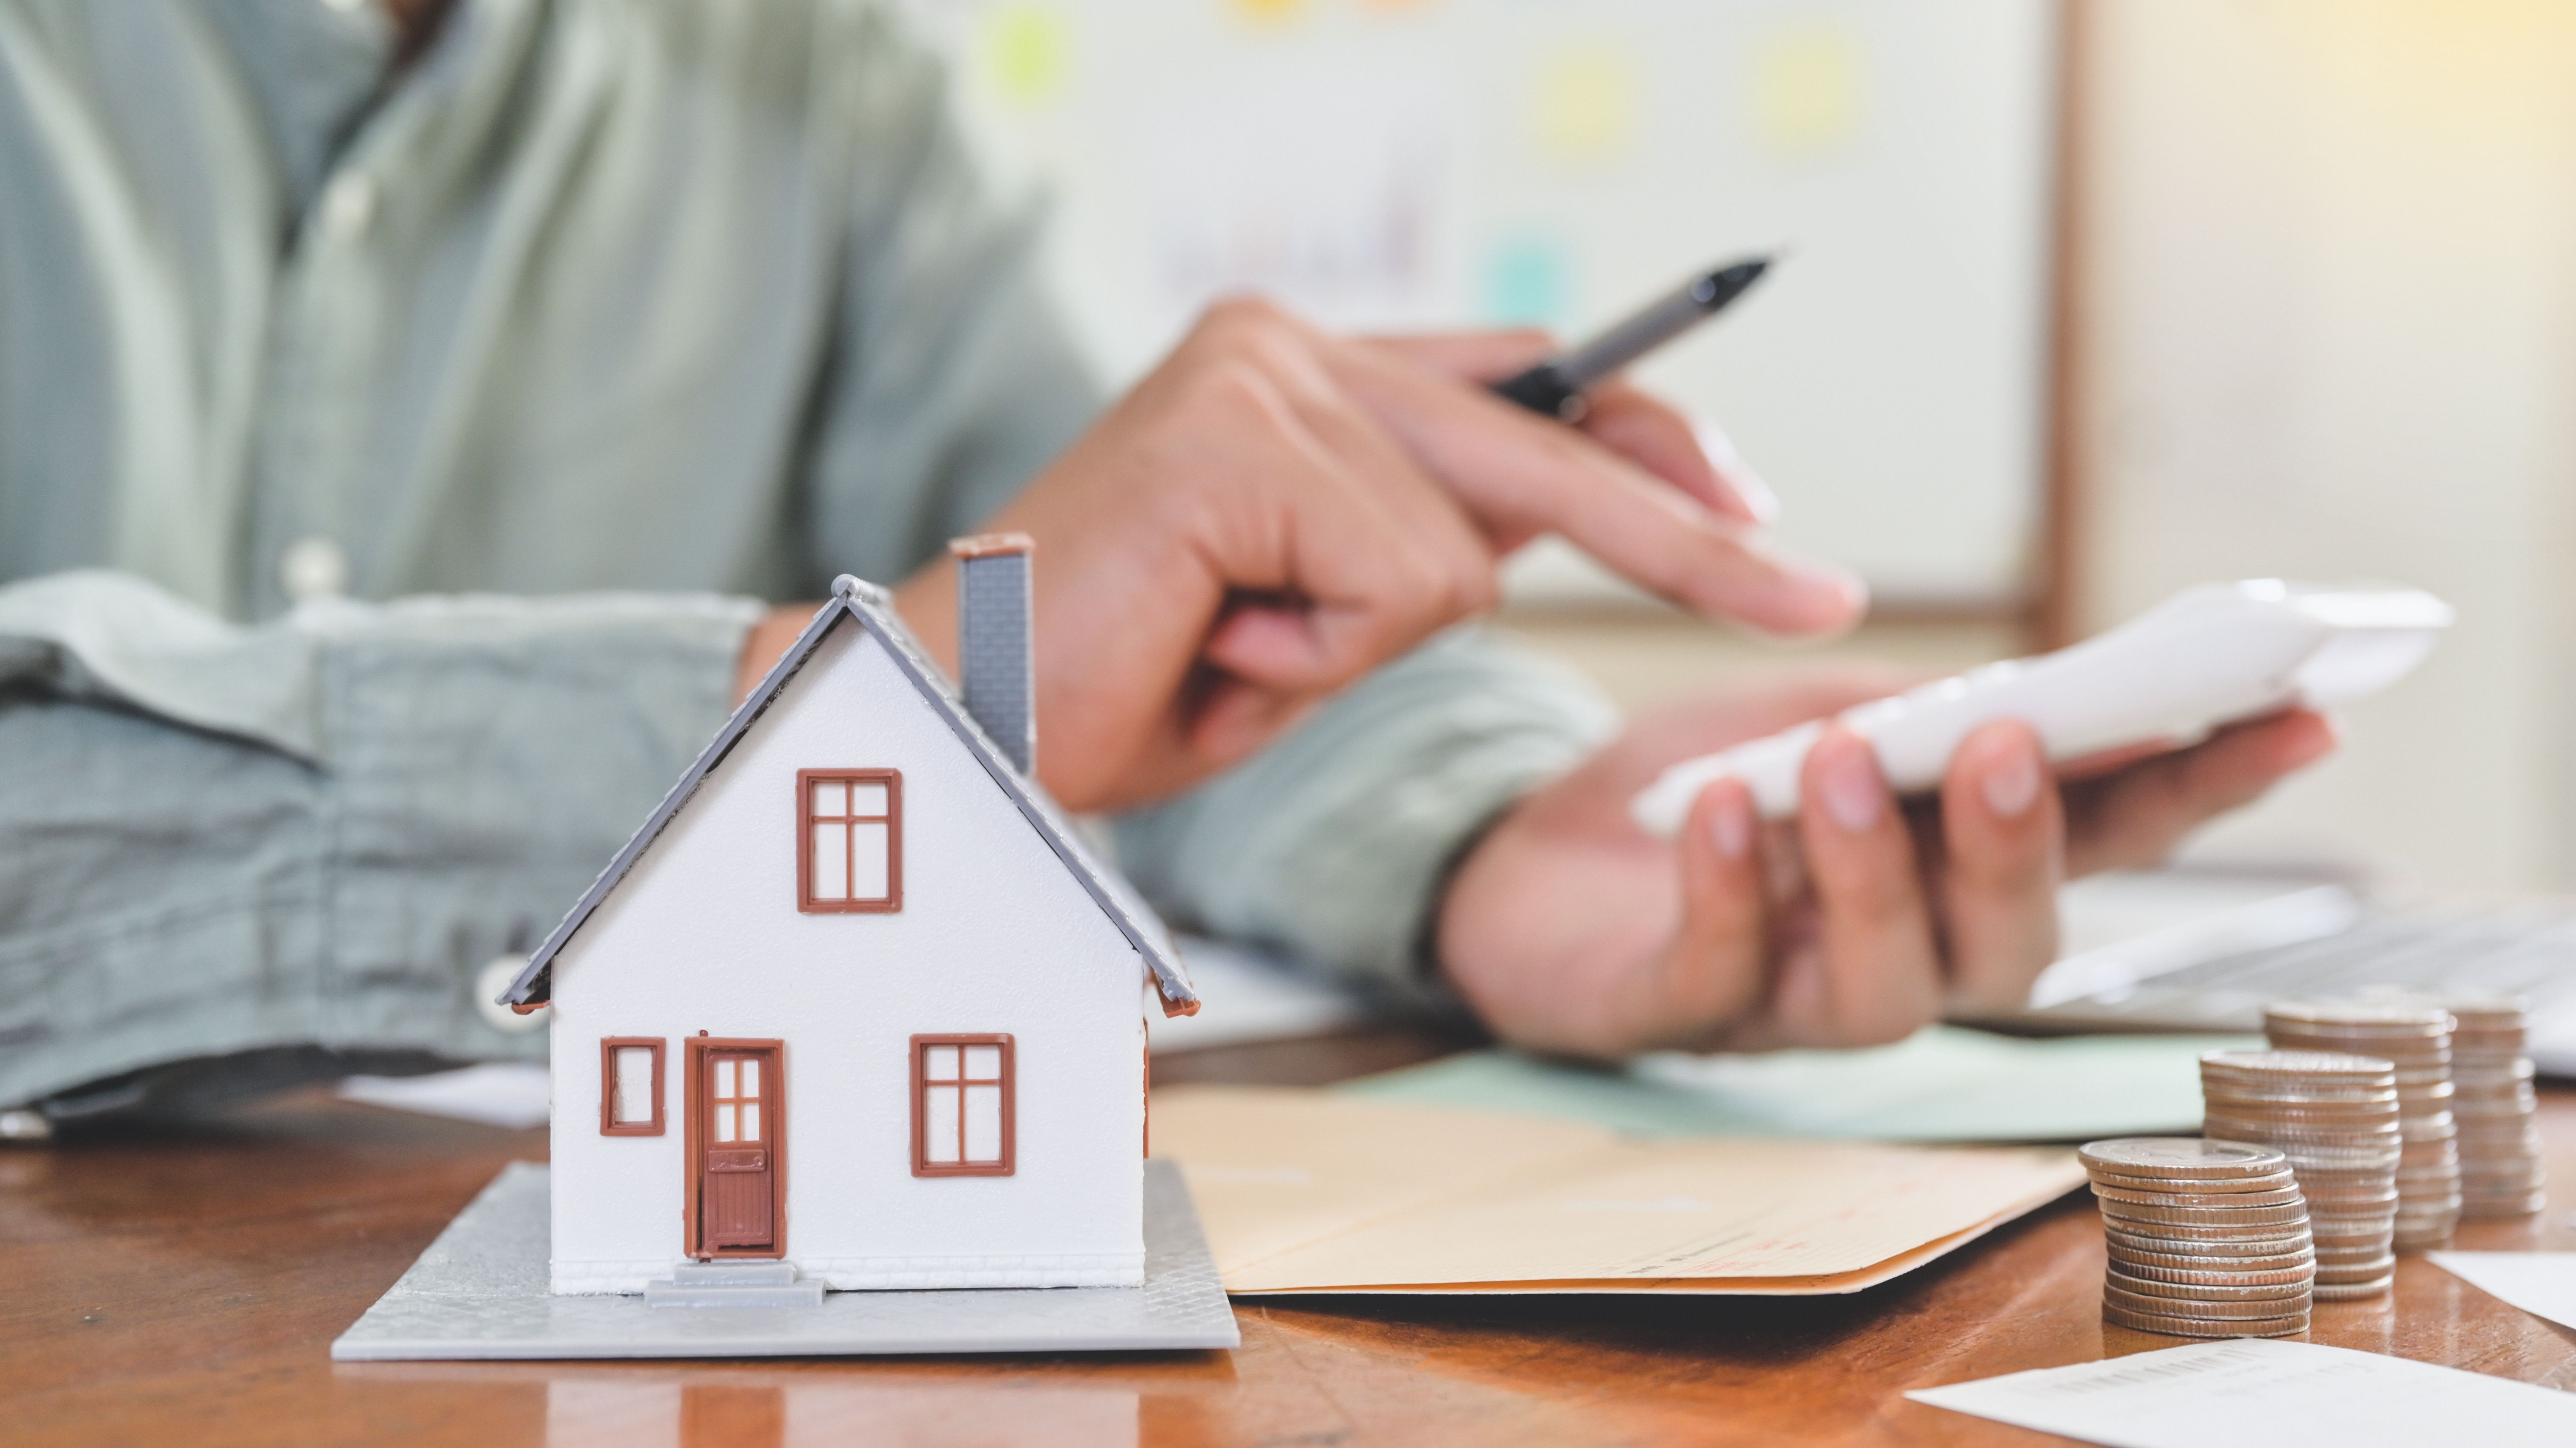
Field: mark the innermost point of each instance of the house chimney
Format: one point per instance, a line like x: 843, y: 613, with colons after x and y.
x: 995, y: 634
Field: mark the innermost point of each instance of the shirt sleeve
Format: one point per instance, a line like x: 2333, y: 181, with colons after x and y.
x: 222, y: 841
x: 1332, y: 846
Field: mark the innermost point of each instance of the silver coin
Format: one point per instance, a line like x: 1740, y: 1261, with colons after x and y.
x: 2375, y: 1099
x: 2337, y: 1202
x: 2131, y: 1181
x: 2287, y: 1134
x: 2376, y: 1016
x: 2342, y: 1269
x: 2365, y: 1131
x: 2228, y: 1201
x: 2293, y: 1063
x: 2140, y: 1261
x: 2362, y: 1112
x: 2382, y: 1087
x: 2202, y: 1327
x: 2371, y: 1238
x: 2274, y: 1293
x: 2201, y: 1274
x: 2337, y: 1230
x: 2286, y: 1214
x: 2233, y: 1243
x: 2215, y: 1307
x: 2188, y: 1157
x: 2502, y: 1209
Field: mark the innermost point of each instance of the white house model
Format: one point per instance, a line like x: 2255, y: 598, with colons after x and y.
x: 856, y: 998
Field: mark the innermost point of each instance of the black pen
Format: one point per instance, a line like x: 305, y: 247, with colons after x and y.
x: 1556, y: 386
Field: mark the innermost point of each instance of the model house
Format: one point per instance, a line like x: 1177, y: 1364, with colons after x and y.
x: 856, y: 997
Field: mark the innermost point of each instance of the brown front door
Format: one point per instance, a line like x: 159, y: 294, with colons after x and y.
x: 737, y: 1129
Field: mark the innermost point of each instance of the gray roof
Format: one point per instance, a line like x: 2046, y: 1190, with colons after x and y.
x: 868, y: 606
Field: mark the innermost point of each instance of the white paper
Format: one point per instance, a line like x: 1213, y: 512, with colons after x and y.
x: 2540, y: 1283
x: 2267, y: 1393
x: 496, y: 1093
x: 1249, y: 997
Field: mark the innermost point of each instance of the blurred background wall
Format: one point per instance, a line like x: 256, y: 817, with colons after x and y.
x: 2086, y: 301
x: 2323, y: 324
x: 1413, y: 163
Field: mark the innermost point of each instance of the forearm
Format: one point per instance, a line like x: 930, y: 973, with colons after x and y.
x: 1331, y: 845
x: 442, y: 779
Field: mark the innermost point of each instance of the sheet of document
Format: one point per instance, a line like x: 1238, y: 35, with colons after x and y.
x: 1944, y: 1083
x: 2266, y: 1393
x: 1304, y: 1191
x: 497, y: 1093
x: 1249, y: 996
x: 2540, y: 1283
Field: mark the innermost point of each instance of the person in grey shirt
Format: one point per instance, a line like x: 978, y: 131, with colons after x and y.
x: 406, y: 408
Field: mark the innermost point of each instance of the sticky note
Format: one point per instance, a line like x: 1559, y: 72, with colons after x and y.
x: 1807, y: 88
x: 1526, y: 282
x: 1024, y: 49
x: 1586, y: 105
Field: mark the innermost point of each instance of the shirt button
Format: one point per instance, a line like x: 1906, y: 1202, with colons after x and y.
x: 348, y: 204
x: 313, y: 568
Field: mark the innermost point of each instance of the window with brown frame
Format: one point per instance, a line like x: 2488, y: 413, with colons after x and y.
x: 849, y: 841
x: 962, y: 1106
x: 630, y: 1086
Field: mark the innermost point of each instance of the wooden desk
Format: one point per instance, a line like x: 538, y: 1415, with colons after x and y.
x: 184, y: 1288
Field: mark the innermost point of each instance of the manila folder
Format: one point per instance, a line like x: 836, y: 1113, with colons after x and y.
x: 1308, y: 1191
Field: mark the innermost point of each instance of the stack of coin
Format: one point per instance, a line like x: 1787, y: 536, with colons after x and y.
x: 2206, y: 1238
x: 2416, y: 1038
x: 2335, y: 1118
x: 2500, y: 1171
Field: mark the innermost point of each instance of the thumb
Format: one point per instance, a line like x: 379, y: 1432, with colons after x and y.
x: 1711, y: 972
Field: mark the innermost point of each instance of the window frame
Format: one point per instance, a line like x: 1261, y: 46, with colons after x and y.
x: 1008, y: 1165
x: 609, y: 1125
x: 892, y: 901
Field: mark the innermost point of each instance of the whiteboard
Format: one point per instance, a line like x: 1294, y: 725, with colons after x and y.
x: 1422, y: 163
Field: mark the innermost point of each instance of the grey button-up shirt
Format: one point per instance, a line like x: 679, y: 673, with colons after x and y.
x: 548, y: 355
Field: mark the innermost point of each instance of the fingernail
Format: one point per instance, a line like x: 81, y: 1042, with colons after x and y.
x: 1756, y: 494
x: 1853, y: 792
x: 1803, y: 598
x: 2012, y: 786
x: 1835, y: 595
x: 2318, y: 744
x: 1748, y: 486
x: 1731, y: 827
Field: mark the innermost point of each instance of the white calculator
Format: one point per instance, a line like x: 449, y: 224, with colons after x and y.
x: 2208, y: 656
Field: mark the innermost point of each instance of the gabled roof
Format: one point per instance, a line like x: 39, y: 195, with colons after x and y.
x: 869, y: 607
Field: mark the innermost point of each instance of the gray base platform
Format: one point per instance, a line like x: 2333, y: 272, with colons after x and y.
x: 480, y: 1292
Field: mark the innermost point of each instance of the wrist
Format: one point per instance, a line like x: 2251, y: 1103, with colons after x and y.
x: 1430, y: 955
